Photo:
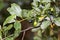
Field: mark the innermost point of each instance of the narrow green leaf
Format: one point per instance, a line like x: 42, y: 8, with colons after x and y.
x: 45, y: 24
x: 7, y: 28
x: 10, y: 19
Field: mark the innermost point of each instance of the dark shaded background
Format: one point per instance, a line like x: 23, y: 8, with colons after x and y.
x: 24, y: 4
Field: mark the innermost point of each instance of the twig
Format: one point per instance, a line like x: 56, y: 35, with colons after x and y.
x: 27, y: 29
x: 22, y: 20
x: 23, y: 35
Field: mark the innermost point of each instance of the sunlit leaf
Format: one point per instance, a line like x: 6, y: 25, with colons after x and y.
x: 57, y: 21
x: 15, y: 9
x: 45, y: 24
x: 9, y: 19
x: 46, y: 0
x: 35, y: 29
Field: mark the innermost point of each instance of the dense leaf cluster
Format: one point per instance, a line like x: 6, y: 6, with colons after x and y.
x: 44, y: 16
